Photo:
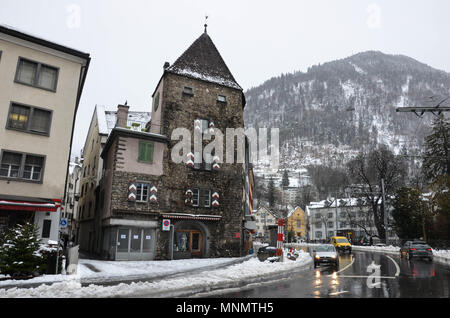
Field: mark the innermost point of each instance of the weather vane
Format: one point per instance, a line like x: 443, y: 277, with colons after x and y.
x: 206, y: 22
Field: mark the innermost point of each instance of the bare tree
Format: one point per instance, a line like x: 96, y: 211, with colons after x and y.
x: 368, y: 170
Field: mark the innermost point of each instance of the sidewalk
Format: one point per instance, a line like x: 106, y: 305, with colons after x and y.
x: 98, y: 272
x: 162, y: 279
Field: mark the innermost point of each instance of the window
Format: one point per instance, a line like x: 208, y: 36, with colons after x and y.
x: 142, y: 192
x: 22, y: 166
x: 318, y: 225
x: 319, y: 235
x: 37, y: 74
x: 146, y: 152
x: 10, y: 165
x: 33, y: 168
x: 330, y: 224
x: 299, y: 223
x: 202, y: 198
x: 330, y: 215
x: 221, y: 98
x: 29, y: 119
x: 188, y: 91
x: 46, y: 225
x: 156, y: 102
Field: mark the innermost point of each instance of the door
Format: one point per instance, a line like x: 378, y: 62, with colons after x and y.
x: 190, y: 241
x: 196, y: 243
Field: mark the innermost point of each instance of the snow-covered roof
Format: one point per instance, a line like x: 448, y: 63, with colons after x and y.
x: 203, y: 61
x: 107, y: 119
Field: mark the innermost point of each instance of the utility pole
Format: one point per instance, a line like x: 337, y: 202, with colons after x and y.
x: 337, y: 217
x: 385, y: 213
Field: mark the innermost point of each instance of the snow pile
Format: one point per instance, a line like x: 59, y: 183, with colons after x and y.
x: 249, y: 271
x: 386, y: 249
x: 442, y: 253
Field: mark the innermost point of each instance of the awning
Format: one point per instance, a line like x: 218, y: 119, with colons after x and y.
x: 38, y: 205
x: 185, y: 216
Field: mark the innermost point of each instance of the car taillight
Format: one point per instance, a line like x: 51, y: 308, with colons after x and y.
x: 412, y: 249
x: 429, y: 249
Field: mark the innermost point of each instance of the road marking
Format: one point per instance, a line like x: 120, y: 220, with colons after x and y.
x: 353, y: 260
x: 361, y: 276
x: 338, y: 293
x: 396, y: 265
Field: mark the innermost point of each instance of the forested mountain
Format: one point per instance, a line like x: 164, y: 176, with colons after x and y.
x: 332, y: 111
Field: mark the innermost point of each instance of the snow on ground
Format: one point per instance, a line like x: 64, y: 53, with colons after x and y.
x: 101, y: 271
x: 251, y: 270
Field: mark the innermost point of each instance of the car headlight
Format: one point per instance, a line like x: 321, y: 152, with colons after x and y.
x: 317, y: 257
x: 333, y: 256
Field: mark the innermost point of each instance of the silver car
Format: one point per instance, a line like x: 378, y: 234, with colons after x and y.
x: 326, y: 254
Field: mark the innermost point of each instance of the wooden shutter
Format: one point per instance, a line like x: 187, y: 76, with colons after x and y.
x: 146, y: 152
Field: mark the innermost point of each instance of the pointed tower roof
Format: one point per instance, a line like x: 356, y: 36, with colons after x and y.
x: 202, y: 61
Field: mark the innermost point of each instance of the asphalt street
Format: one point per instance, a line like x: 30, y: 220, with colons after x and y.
x: 360, y: 275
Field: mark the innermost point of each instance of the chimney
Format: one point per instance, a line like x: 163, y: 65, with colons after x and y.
x: 122, y: 116
x: 166, y: 65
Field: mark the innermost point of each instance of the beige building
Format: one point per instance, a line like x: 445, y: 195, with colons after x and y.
x: 40, y: 88
x: 264, y: 218
x: 102, y: 123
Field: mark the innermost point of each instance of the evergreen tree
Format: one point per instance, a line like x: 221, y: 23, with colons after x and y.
x: 19, y: 251
x: 436, y: 161
x: 412, y: 218
x: 285, y: 180
x: 271, y: 193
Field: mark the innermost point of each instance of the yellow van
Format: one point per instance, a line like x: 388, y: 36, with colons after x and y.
x: 341, y: 244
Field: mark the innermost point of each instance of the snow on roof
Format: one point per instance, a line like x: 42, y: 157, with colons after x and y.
x: 107, y: 119
x: 203, y: 61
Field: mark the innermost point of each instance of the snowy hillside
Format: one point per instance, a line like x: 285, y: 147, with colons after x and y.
x: 332, y: 111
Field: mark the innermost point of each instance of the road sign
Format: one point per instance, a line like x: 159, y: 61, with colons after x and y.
x: 63, y: 223
x: 166, y: 225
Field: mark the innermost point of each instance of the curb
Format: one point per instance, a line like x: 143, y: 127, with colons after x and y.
x: 129, y: 279
x: 202, y: 291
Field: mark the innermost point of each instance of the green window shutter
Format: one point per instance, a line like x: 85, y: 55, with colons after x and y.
x: 146, y: 152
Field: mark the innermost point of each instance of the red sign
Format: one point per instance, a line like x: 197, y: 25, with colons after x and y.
x: 237, y: 235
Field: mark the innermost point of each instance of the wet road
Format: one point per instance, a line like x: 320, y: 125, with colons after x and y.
x: 360, y: 275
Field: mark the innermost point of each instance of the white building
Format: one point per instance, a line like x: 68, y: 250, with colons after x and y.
x: 264, y: 218
x: 351, y: 217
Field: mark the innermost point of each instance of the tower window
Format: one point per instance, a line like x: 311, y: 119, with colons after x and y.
x: 188, y: 91
x: 221, y: 98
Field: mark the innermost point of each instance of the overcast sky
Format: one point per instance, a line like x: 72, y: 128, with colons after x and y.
x: 129, y: 41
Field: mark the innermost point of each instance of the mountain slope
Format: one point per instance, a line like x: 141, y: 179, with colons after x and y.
x: 332, y: 111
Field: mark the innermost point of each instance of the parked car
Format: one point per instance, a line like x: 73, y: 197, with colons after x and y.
x: 341, y: 244
x: 266, y: 252
x: 416, y: 249
x: 326, y: 254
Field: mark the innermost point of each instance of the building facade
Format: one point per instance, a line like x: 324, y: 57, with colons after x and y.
x: 103, y: 121
x: 40, y: 89
x: 156, y: 208
x: 350, y: 217
x: 296, y: 223
x: 264, y: 219
x: 70, y: 211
